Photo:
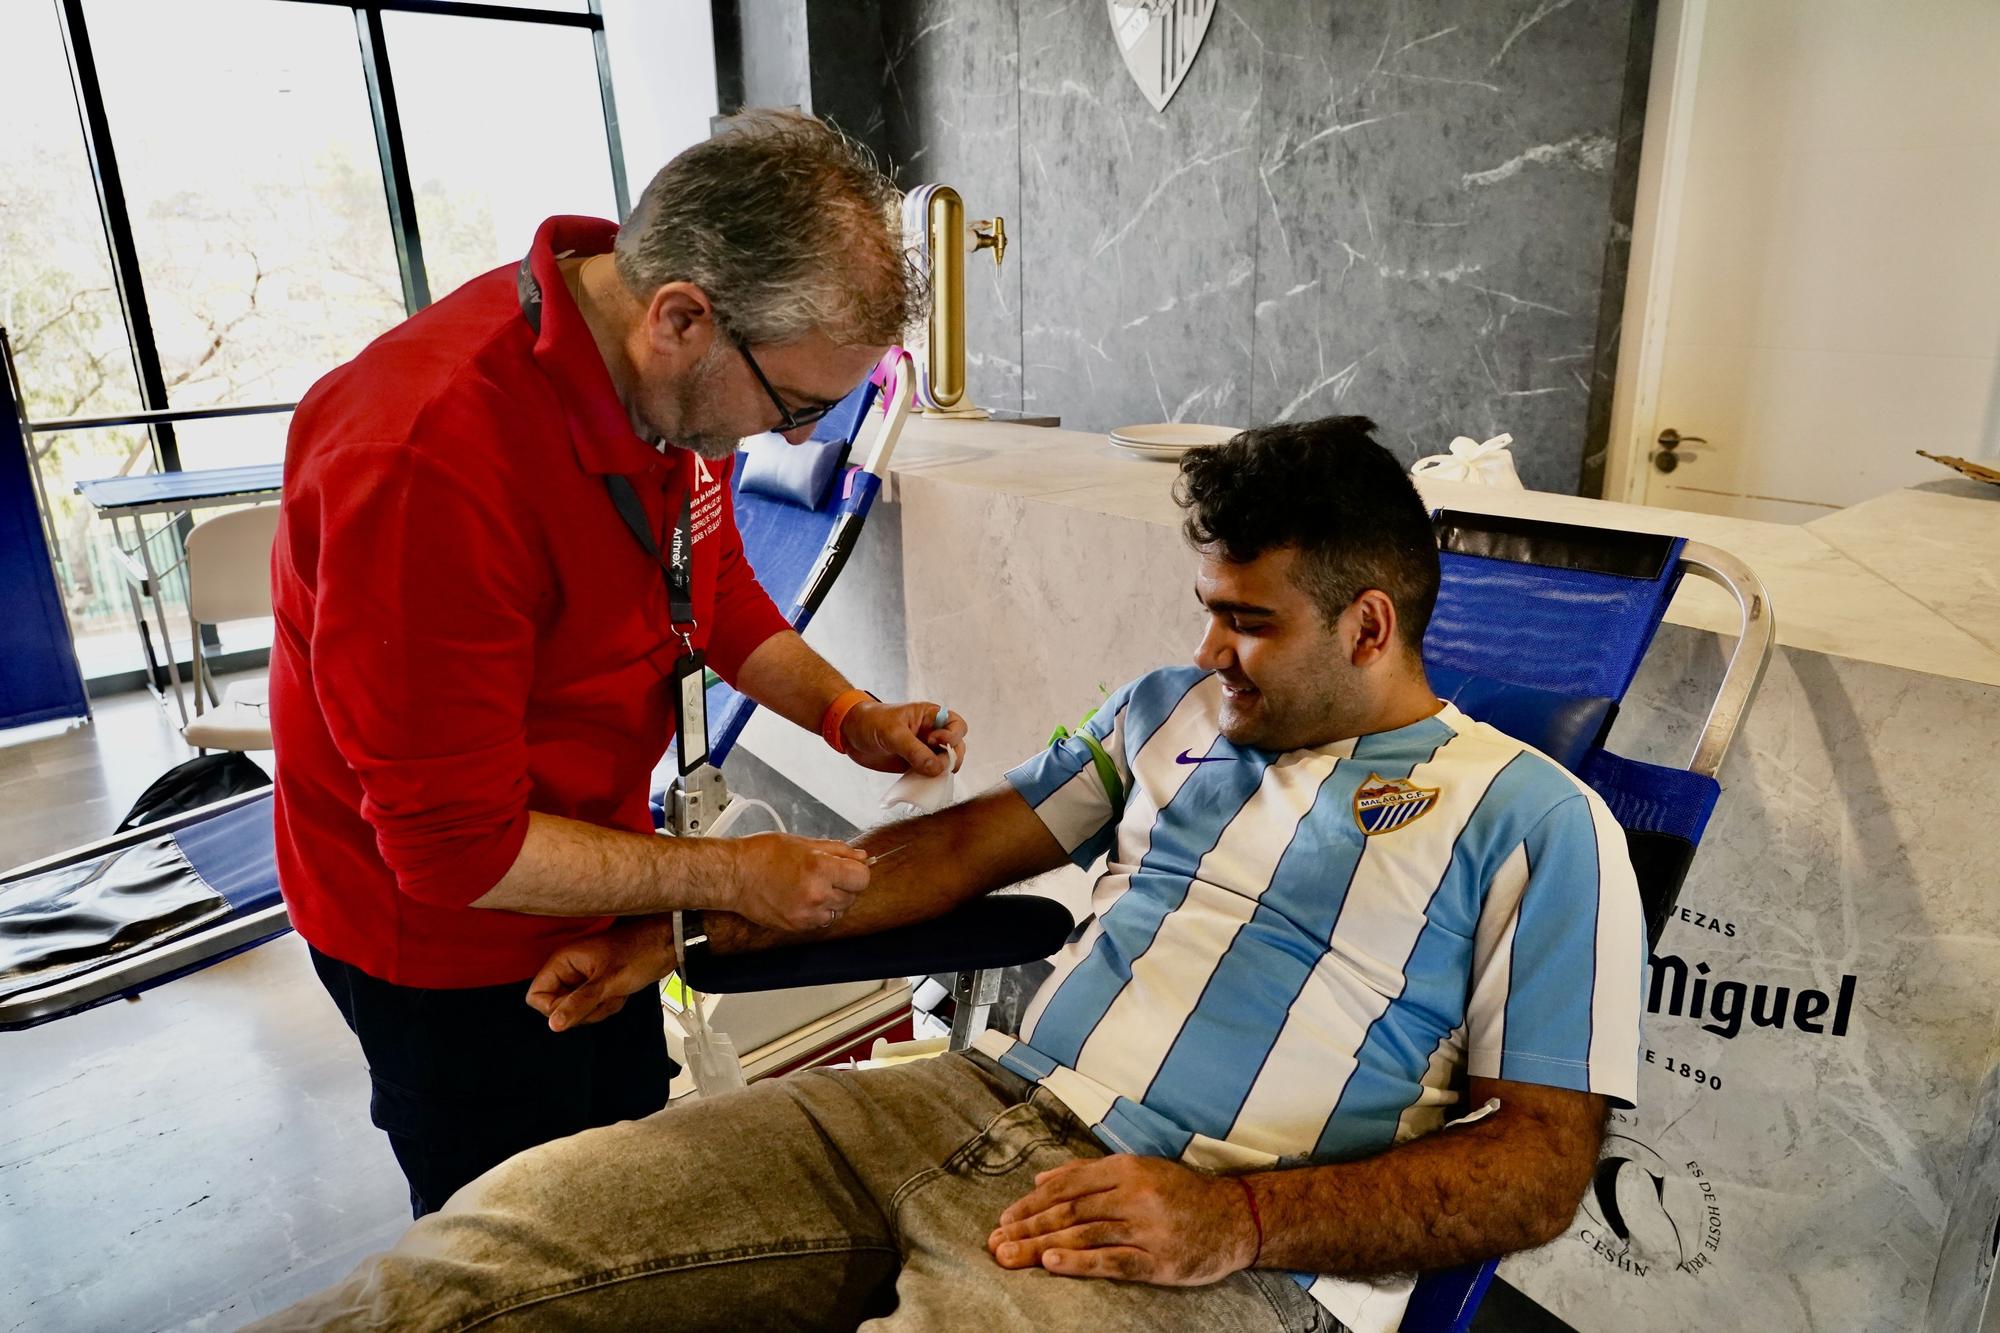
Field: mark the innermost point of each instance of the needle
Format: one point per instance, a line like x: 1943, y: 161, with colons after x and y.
x: 883, y: 856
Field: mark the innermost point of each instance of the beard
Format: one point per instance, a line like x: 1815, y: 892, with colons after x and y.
x: 714, y: 448
x: 1291, y: 712
x: 688, y: 429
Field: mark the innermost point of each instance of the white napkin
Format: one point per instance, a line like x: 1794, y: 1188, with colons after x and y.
x: 915, y: 794
x: 1482, y: 464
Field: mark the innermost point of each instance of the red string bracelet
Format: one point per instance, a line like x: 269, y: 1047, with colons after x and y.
x: 1251, y: 1199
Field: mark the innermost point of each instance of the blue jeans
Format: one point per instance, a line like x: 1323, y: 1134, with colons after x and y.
x: 826, y: 1200
x: 464, y: 1079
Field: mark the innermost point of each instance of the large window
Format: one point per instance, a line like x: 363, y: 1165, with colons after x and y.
x: 491, y: 157
x: 59, y: 305
x: 249, y: 168
x: 210, y: 203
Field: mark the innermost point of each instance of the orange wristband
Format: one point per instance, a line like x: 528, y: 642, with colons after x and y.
x: 835, y: 717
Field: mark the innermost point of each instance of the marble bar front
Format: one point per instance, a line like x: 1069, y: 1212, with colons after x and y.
x: 1800, y: 1142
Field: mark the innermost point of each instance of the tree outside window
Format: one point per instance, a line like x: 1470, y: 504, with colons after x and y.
x: 254, y: 188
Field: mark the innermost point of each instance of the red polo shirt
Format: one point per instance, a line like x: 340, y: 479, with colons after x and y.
x: 466, y: 631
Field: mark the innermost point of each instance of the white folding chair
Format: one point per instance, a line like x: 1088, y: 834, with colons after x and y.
x: 229, y: 578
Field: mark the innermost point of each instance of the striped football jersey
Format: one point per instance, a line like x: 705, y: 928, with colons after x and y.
x: 1295, y: 958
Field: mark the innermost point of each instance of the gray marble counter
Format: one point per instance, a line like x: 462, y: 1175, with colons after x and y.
x: 1803, y: 1181
x: 1940, y: 542
x: 1800, y: 1180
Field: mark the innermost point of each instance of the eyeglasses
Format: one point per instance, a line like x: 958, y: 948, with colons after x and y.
x: 789, y: 418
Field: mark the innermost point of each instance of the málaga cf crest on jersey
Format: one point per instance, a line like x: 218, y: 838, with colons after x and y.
x: 1385, y: 804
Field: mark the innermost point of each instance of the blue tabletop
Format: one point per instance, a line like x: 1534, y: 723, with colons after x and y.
x: 203, y: 486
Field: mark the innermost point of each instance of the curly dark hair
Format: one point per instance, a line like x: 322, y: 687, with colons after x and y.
x: 1327, y: 488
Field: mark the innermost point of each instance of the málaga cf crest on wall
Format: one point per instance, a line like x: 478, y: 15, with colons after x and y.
x: 1158, y: 39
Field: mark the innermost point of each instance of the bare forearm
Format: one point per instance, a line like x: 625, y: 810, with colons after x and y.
x: 930, y: 865
x: 569, y: 868
x: 1458, y: 1196
x: 790, y: 679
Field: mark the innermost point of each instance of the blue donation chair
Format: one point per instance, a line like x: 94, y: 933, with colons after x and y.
x: 133, y: 911
x: 1539, y: 631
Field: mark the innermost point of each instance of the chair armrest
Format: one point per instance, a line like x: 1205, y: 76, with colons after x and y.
x: 985, y: 933
x: 1660, y: 864
x: 1445, y: 1299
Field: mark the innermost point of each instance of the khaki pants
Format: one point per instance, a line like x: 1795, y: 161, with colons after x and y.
x: 825, y: 1200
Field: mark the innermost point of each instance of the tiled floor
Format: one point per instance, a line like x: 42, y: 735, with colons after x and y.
x: 193, y: 1159
x: 64, y: 783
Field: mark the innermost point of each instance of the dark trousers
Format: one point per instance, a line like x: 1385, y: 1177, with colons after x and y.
x: 464, y: 1079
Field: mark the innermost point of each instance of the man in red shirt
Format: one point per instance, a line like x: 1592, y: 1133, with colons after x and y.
x: 507, y: 537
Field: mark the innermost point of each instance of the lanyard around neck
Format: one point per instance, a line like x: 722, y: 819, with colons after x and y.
x: 679, y: 565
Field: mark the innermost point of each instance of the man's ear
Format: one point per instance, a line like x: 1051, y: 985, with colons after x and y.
x: 1373, y: 617
x: 680, y: 320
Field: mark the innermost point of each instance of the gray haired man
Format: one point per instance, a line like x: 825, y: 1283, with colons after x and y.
x: 507, y: 545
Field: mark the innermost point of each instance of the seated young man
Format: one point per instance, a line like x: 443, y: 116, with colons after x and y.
x: 1359, y: 977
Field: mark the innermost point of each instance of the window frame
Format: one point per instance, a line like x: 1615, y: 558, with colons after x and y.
x: 399, y: 191
x: 114, y: 215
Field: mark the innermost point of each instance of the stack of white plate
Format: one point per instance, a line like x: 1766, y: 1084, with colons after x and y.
x: 1167, y: 439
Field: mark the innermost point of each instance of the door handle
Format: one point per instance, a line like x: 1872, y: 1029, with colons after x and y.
x: 1665, y: 459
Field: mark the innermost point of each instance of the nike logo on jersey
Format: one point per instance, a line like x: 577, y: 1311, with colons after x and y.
x: 1185, y: 758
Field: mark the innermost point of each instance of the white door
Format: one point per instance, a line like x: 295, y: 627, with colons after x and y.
x: 1835, y: 273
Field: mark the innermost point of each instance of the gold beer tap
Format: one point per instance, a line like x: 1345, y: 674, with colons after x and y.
x: 948, y: 238
x: 991, y: 234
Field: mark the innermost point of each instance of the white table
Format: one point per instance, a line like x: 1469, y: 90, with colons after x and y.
x: 127, y: 502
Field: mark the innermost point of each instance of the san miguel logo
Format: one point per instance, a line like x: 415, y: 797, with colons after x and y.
x: 1385, y: 804
x: 1643, y: 1214
x: 1724, y: 1006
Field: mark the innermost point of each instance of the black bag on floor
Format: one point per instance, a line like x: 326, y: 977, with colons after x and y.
x: 198, y: 782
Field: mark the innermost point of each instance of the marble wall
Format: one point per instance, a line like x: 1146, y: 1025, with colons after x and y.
x: 1405, y: 208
